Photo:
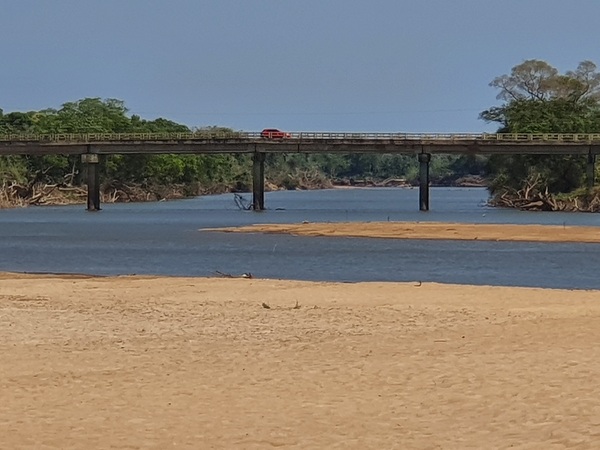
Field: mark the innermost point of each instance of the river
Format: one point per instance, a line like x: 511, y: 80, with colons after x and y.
x: 164, y: 238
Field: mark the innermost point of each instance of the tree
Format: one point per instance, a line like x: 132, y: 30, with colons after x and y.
x: 538, y: 99
x: 93, y: 115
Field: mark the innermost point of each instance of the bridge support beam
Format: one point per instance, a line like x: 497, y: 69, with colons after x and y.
x: 424, y: 160
x: 591, y: 170
x: 91, y: 162
x: 258, y: 181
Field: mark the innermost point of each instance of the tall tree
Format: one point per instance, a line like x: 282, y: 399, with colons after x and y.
x: 539, y: 99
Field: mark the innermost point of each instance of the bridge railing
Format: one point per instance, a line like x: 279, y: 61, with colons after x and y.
x: 549, y: 137
x: 84, y: 138
x: 112, y: 137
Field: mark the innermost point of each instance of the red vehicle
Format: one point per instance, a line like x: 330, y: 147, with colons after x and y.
x: 274, y: 133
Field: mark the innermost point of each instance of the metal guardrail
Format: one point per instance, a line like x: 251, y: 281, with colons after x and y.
x: 87, y: 138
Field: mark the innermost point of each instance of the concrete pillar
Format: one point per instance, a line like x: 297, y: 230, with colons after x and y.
x: 258, y: 181
x: 424, y: 159
x: 91, y: 161
x: 591, y: 170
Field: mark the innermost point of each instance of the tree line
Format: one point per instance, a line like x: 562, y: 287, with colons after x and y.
x: 188, y: 175
x: 535, y: 98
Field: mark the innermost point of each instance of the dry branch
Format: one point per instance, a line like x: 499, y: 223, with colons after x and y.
x: 535, y: 197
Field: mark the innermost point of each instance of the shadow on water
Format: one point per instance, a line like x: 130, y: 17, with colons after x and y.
x: 164, y: 238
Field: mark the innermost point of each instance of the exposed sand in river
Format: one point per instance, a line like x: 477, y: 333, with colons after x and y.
x: 145, y: 362
x: 432, y: 230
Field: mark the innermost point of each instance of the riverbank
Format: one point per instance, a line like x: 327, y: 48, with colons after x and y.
x: 115, y: 192
x: 150, y: 362
x: 43, y: 194
x: 431, y: 230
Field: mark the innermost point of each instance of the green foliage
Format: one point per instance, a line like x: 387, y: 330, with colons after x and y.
x: 12, y: 168
x: 90, y: 115
x: 538, y: 99
x: 557, y: 173
x: 469, y: 165
x: 557, y: 115
x: 331, y: 165
x: 378, y: 166
x: 159, y: 125
x: 16, y: 122
x: 208, y: 172
x: 93, y: 115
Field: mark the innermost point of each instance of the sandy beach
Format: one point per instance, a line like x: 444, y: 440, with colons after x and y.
x: 144, y: 362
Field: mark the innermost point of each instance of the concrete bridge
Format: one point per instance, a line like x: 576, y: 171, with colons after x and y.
x: 91, y: 145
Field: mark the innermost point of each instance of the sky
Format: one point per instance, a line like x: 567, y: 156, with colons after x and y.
x: 297, y: 65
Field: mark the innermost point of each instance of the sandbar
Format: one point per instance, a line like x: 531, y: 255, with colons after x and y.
x: 430, y: 230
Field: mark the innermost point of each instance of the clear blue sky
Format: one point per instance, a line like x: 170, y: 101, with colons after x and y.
x: 299, y: 65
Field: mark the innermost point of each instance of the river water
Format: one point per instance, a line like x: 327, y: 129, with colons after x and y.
x: 164, y: 238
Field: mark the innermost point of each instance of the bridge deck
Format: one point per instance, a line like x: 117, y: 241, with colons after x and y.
x: 300, y: 142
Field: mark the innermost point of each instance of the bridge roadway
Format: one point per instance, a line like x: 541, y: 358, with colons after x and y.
x: 91, y: 145
x: 300, y: 142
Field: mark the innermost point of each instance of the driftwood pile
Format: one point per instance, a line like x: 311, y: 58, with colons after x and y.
x: 118, y: 192
x: 369, y: 182
x: 534, y: 197
x: 40, y: 194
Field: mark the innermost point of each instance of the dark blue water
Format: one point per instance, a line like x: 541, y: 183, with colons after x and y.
x: 165, y: 238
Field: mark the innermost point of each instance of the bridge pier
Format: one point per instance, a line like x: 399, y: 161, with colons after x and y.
x: 91, y: 161
x: 424, y: 160
x: 258, y: 181
x: 591, y: 170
